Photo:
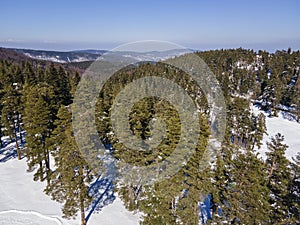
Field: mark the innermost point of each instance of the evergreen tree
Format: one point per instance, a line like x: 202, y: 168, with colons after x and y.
x: 63, y: 87
x: 279, y: 177
x: 11, y: 113
x: 271, y: 95
x: 257, y: 130
x: 293, y: 199
x: 297, y: 99
x: 1, y: 105
x: 248, y: 193
x: 222, y: 182
x: 38, y: 125
x: 29, y: 75
x: 1, y: 132
x: 70, y: 181
x: 60, y: 82
x: 74, y: 81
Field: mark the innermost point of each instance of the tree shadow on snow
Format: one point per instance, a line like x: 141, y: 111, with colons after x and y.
x: 102, y: 191
x: 9, y: 151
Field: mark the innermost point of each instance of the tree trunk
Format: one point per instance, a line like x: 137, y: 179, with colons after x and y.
x: 272, y: 169
x: 47, y: 158
x: 10, y: 137
x: 173, y: 208
x: 1, y: 143
x: 16, y: 140
x: 41, y: 168
x: 196, y: 214
x: 48, y: 170
x: 20, y: 129
x: 82, y: 213
x: 81, y: 196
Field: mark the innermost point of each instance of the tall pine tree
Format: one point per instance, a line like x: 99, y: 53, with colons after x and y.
x: 70, y: 181
x: 279, y: 177
x: 38, y: 124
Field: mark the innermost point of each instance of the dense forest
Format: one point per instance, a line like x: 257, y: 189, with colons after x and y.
x: 241, y: 188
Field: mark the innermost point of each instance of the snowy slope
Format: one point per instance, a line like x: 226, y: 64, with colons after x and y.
x: 26, y: 217
x: 290, y: 130
x: 22, y: 201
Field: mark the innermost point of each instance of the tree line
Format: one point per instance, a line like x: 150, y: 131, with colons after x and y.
x: 241, y: 188
x: 35, y: 105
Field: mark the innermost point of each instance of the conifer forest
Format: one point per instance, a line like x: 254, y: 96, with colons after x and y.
x: 238, y: 187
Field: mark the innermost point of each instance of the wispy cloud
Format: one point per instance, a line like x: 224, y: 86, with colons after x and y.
x: 11, y: 40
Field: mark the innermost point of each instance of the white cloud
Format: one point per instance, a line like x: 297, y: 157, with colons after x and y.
x: 11, y: 40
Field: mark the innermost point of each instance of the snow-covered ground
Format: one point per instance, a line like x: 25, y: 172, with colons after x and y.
x: 290, y: 130
x: 22, y: 202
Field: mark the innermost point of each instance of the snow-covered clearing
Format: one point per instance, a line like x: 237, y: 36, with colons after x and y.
x: 22, y: 201
x: 290, y: 130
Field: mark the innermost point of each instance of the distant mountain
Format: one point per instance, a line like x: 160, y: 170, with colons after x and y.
x: 80, y: 60
x: 149, y: 56
x: 92, y: 55
x: 17, y: 56
x: 62, y: 57
x: 9, y: 54
x: 91, y: 51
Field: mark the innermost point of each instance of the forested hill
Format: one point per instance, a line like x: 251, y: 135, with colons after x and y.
x: 18, y: 57
x: 9, y: 54
x: 268, y: 79
x: 62, y: 56
x: 238, y: 187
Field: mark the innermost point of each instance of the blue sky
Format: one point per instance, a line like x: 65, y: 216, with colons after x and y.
x: 67, y: 25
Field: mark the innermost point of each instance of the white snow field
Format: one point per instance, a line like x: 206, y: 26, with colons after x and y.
x: 20, y: 217
x: 289, y: 129
x: 22, y: 202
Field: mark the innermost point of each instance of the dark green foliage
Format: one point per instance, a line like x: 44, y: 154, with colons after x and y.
x: 31, y: 94
x: 293, y: 199
x: 11, y: 112
x: 248, y: 194
x: 296, y: 99
x: 70, y: 181
x: 60, y: 82
x: 175, y: 199
x: 239, y: 187
x: 240, y: 184
x: 74, y: 81
x: 279, y: 176
x: 38, y: 125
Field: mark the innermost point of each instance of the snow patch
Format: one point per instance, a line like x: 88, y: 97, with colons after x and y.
x: 23, y: 202
x: 17, y: 217
x: 289, y: 129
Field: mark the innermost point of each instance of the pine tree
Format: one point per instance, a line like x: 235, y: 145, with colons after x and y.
x: 278, y: 178
x: 1, y: 105
x: 271, y: 95
x: 29, y: 75
x: 38, y: 125
x: 70, y: 181
x: 63, y: 88
x: 11, y: 113
x: 222, y: 181
x: 1, y: 132
x: 293, y: 199
x: 60, y: 82
x: 258, y: 129
x: 248, y: 195
x: 297, y: 99
x: 74, y: 81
